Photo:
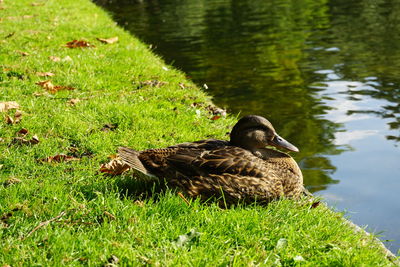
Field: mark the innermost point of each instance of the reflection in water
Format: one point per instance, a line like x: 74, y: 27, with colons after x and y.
x: 324, y: 72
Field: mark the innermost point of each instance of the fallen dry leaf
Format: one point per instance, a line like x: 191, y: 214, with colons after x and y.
x: 55, y: 59
x: 114, y: 167
x: 17, y: 117
x: 108, y: 40
x: 34, y: 140
x: 112, y: 261
x: 45, y: 74
x: 73, y: 101
x: 23, y: 141
x: 23, y: 131
x: 315, y: 204
x: 80, y: 43
x: 153, y: 83
x: 182, y: 85
x: 109, y: 127
x: 22, y: 53
x: 49, y: 86
x: 216, y: 117
x: 110, y: 215
x: 9, y: 120
x: 6, y: 106
x: 11, y: 181
x: 140, y: 203
x: 59, y: 158
x: 216, y: 110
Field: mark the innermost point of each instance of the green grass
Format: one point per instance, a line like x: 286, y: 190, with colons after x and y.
x: 100, y: 216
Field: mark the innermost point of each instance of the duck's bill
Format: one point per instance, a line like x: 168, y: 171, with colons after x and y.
x: 279, y: 142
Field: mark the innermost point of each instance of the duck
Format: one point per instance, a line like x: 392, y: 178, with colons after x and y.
x: 248, y: 167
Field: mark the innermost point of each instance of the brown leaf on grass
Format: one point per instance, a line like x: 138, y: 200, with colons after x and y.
x: 112, y: 261
x: 315, y: 204
x: 9, y: 120
x: 216, y: 110
x: 59, y: 158
x: 5, y: 218
x: 108, y: 40
x: 23, y: 141
x: 17, y: 117
x: 45, y: 74
x: 114, y: 167
x: 11, y: 181
x: 109, y: 127
x: 216, y: 117
x: 34, y: 140
x: 49, y: 86
x: 6, y: 106
x: 196, y: 104
x: 80, y: 43
x: 55, y: 59
x: 73, y: 101
x: 23, y: 131
x: 61, y: 87
x: 110, y: 215
x: 140, y: 203
x: 153, y: 83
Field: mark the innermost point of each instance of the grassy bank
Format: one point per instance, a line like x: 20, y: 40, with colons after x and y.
x: 59, y: 210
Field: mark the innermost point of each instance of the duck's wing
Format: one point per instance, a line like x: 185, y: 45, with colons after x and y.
x: 232, y: 170
x: 155, y: 161
x: 222, y: 160
x: 208, y: 144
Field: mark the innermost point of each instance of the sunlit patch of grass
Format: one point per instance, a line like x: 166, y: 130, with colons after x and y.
x: 68, y: 214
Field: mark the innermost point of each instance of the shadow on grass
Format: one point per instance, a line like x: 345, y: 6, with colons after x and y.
x: 140, y: 187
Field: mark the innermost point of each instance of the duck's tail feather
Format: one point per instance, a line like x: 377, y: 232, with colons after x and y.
x: 131, y: 157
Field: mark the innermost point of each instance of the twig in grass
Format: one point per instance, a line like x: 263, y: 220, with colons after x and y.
x: 184, y: 199
x: 42, y: 224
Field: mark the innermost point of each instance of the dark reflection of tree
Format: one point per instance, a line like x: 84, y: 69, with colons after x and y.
x: 254, y: 56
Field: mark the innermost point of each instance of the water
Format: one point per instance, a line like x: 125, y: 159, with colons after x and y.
x: 325, y: 73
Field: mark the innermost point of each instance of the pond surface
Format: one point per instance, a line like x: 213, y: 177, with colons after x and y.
x: 325, y: 73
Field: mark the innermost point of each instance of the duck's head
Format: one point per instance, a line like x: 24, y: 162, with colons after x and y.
x: 253, y: 132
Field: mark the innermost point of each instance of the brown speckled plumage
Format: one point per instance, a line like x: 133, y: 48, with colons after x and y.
x: 242, y: 168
